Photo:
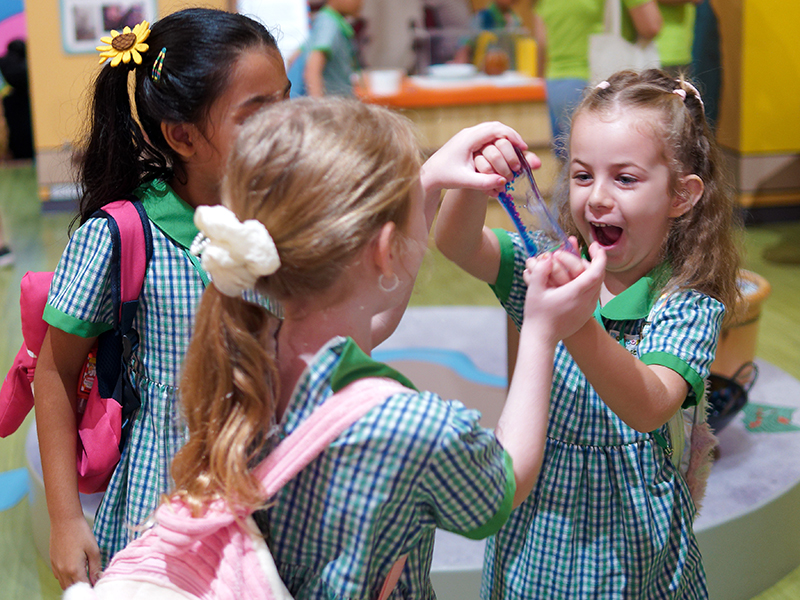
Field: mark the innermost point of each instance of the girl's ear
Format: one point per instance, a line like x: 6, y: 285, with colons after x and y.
x: 384, y: 249
x: 691, y: 190
x: 181, y: 137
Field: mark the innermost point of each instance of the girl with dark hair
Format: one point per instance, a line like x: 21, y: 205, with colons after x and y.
x: 164, y: 113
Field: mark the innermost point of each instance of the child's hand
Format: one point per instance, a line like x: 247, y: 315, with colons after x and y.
x: 454, y: 166
x: 566, y: 265
x: 73, y: 552
x: 561, y: 310
x: 500, y: 158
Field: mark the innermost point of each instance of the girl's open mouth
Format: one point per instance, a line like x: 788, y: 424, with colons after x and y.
x: 606, y: 235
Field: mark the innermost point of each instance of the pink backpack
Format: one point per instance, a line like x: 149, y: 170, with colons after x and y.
x: 106, y: 396
x: 222, y: 555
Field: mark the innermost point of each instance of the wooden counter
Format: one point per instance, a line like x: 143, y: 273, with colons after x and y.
x: 442, y: 111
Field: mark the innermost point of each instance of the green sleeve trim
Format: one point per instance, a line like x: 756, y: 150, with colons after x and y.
x: 505, y: 276
x: 501, y: 516
x: 681, y: 368
x: 69, y: 324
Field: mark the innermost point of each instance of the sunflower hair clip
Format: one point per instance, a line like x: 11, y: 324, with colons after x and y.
x: 122, y: 47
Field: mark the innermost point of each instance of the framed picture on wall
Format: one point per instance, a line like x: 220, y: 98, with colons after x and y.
x: 84, y: 22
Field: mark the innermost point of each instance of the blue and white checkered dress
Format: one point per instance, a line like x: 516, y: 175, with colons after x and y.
x: 411, y: 464
x: 80, y: 303
x: 610, y: 516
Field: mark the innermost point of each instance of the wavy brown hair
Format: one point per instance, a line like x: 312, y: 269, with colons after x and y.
x: 323, y: 176
x: 703, y: 246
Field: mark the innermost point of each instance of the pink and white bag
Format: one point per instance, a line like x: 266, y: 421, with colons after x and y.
x: 222, y: 555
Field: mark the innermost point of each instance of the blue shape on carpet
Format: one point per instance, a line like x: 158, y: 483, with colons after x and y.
x: 453, y: 359
x: 14, y: 486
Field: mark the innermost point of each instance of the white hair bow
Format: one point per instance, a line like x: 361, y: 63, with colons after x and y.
x: 235, y: 254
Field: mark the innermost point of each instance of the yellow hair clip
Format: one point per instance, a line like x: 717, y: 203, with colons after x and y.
x: 122, y: 47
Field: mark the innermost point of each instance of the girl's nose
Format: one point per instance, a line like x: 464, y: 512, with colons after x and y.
x: 599, y: 197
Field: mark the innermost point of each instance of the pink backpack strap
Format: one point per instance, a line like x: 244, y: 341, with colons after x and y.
x: 324, y: 425
x: 317, y: 432
x: 135, y: 247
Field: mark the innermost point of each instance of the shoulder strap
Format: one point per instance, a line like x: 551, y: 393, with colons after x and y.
x: 324, y: 425
x: 132, y: 249
x: 317, y: 432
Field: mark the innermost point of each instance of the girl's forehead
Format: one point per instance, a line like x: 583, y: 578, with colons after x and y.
x: 634, y: 136
x: 634, y: 116
x: 633, y: 121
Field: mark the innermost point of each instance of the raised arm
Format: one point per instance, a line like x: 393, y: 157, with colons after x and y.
x: 452, y: 166
x: 73, y: 548
x: 551, y: 313
x: 460, y: 232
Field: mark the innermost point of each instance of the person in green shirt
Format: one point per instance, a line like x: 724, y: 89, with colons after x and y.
x: 328, y: 59
x: 674, y: 41
x: 562, y: 29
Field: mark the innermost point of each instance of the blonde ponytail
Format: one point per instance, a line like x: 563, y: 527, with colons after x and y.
x: 228, y: 391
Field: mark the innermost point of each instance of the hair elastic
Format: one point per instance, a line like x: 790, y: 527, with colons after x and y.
x: 680, y: 91
x: 603, y: 85
x: 158, y: 64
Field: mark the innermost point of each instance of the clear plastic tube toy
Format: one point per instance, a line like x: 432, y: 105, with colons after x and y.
x: 530, y: 214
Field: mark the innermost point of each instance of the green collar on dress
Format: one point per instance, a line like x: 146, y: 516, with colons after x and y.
x: 346, y: 28
x: 166, y: 209
x: 355, y: 364
x: 636, y: 301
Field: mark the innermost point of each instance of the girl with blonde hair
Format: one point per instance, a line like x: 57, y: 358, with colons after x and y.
x: 327, y: 209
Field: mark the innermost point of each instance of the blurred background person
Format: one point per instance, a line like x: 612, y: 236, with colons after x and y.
x: 562, y: 29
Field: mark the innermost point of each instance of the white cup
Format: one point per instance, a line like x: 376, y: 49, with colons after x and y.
x: 385, y: 82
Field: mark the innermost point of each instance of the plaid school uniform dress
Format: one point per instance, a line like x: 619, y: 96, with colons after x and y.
x: 411, y: 464
x: 80, y: 303
x: 610, y: 516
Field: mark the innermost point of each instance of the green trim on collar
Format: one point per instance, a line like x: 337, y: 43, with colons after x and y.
x: 505, y: 276
x: 636, y: 301
x: 494, y: 524
x: 346, y: 28
x: 170, y: 214
x: 355, y: 364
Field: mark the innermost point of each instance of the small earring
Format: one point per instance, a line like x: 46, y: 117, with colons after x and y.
x: 394, y: 285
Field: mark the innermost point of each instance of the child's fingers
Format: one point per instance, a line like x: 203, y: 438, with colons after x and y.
x: 490, y: 131
x: 482, y: 165
x: 537, y: 271
x: 598, y: 256
x: 533, y: 160
x: 494, y: 155
x: 592, y: 278
x: 569, y: 264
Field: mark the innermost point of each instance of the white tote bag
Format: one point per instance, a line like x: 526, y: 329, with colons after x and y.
x: 609, y: 52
